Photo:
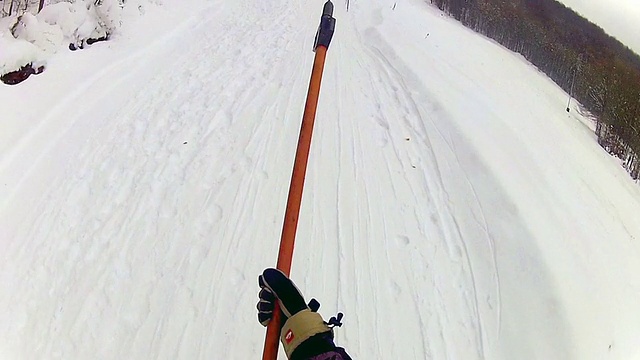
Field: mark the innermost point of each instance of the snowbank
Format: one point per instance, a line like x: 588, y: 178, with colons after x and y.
x: 46, y: 37
x: 75, y: 21
x: 32, y: 38
x: 16, y: 53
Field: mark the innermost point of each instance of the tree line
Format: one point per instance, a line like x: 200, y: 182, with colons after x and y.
x: 596, y: 69
x: 13, y: 7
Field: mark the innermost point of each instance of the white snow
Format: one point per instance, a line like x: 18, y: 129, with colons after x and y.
x: 452, y: 208
x: 16, y: 53
x: 34, y: 39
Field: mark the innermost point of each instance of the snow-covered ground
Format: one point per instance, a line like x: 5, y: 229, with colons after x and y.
x: 452, y: 209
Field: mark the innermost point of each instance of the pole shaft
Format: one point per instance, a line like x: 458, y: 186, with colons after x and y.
x: 290, y: 225
x: 300, y: 165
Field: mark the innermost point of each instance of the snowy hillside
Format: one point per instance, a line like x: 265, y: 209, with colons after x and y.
x: 452, y: 209
x: 619, y: 18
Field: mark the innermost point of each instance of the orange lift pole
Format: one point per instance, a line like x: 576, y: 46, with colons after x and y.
x: 287, y: 239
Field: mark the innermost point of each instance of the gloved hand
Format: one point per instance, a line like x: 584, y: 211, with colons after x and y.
x: 299, y: 322
x: 274, y: 284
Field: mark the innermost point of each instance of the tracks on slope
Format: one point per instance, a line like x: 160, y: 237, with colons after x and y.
x: 398, y: 115
x: 156, y: 203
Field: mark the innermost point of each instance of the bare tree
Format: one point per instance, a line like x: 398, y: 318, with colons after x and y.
x: 13, y: 7
x: 6, y: 8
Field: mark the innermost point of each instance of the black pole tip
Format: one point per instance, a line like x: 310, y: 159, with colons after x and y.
x: 328, y: 8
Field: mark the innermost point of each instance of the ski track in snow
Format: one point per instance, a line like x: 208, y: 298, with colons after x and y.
x: 388, y: 115
x: 182, y: 190
x: 167, y: 167
x: 160, y: 208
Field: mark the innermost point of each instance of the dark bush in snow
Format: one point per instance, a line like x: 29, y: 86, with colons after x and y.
x: 81, y: 44
x: 18, y: 76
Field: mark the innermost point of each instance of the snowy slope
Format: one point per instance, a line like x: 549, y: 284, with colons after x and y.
x: 452, y: 209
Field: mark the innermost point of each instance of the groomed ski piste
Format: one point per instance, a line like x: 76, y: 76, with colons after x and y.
x: 452, y: 208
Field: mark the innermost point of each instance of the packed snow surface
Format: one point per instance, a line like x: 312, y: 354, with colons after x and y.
x: 452, y: 208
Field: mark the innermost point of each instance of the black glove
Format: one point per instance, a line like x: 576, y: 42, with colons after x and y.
x: 274, y: 284
x: 300, y: 322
